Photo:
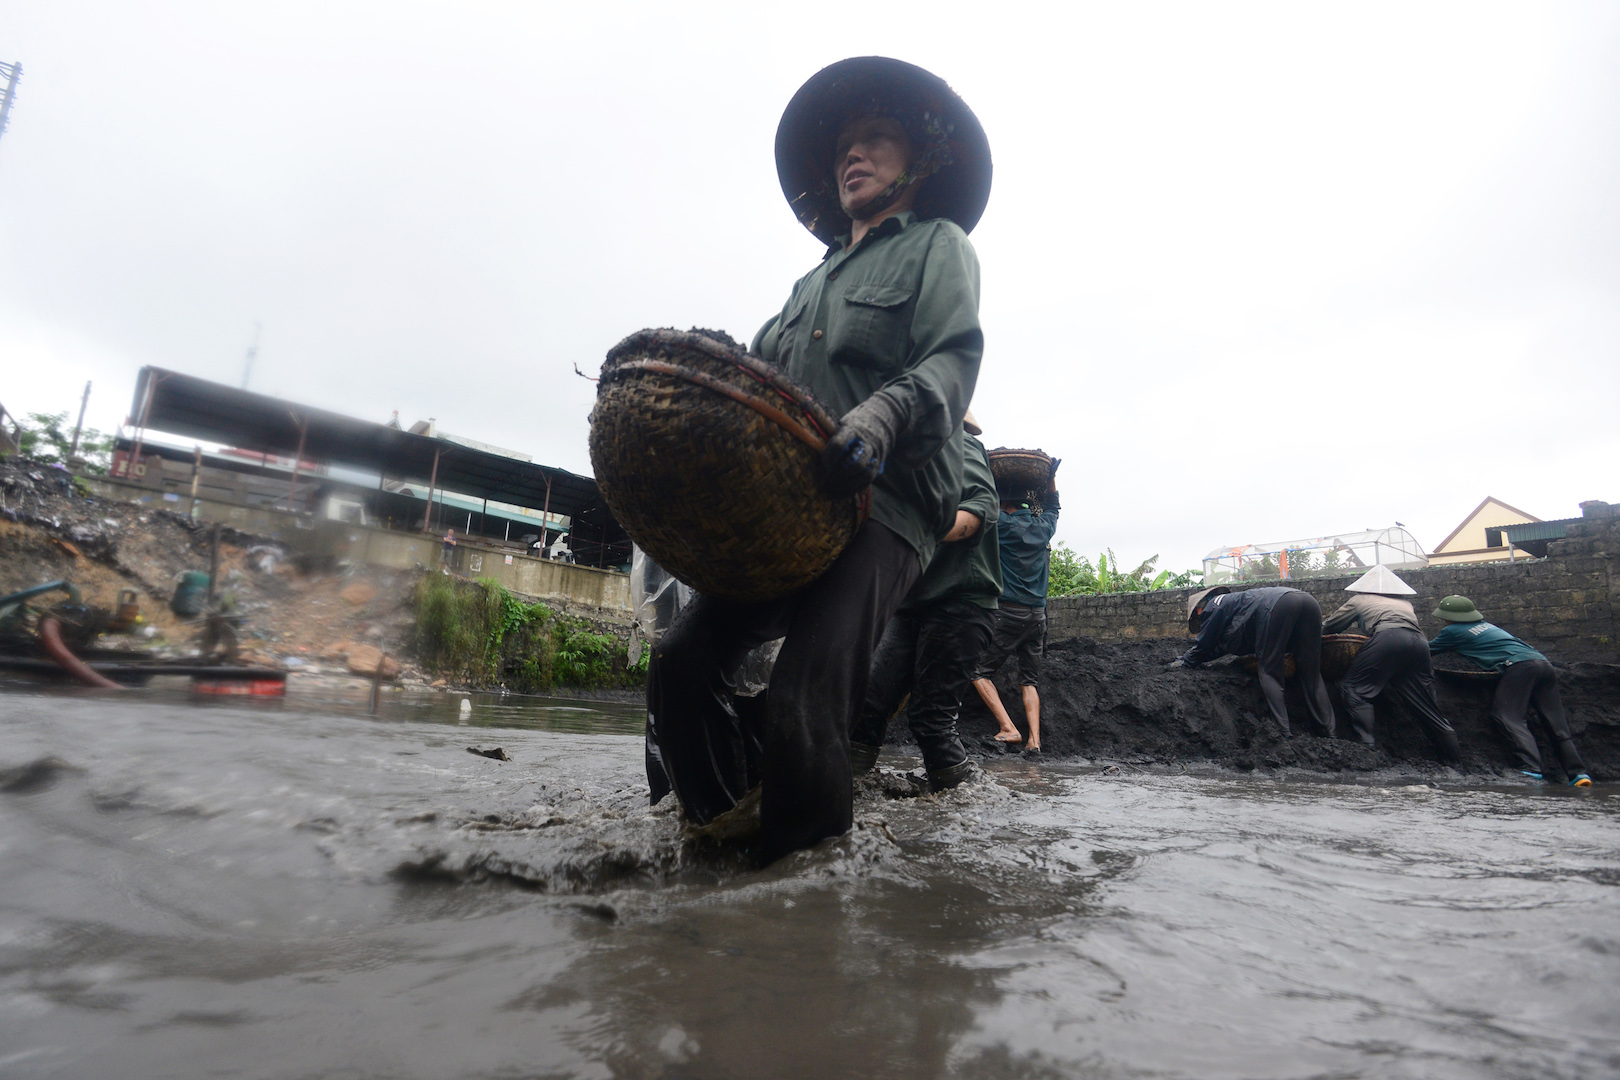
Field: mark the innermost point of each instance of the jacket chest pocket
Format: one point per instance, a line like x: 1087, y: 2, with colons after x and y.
x: 870, y: 328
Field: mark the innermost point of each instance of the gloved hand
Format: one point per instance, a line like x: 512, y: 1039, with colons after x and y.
x: 854, y: 456
x: 1051, y: 480
x: 1176, y: 665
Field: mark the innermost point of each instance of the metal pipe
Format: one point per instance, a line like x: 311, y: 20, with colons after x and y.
x: 298, y: 461
x: 213, y: 563
x: 140, y: 425
x: 61, y: 583
x: 433, y: 479
x: 196, y: 473
x: 84, y: 403
x: 545, y: 518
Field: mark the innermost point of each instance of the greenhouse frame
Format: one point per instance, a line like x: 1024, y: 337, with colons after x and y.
x: 1317, y: 556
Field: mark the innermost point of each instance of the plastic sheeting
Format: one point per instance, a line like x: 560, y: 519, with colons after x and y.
x: 655, y: 599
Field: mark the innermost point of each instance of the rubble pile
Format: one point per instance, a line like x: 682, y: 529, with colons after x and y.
x: 289, y: 615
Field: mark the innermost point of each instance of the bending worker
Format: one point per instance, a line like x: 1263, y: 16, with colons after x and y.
x: 1396, y: 657
x: 1527, y: 677
x: 1270, y: 623
x: 932, y: 646
x: 889, y: 169
x: 1020, y: 626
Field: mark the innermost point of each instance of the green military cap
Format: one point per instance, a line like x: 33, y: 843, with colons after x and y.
x: 1458, y: 609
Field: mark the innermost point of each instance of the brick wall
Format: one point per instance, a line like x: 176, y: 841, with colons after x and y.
x: 1566, y: 604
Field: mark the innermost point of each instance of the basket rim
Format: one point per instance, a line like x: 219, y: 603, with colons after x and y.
x: 756, y: 367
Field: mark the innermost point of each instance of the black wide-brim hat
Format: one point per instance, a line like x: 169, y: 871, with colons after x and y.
x: 928, y: 109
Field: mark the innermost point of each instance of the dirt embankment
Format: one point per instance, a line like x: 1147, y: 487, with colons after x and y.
x: 1120, y: 704
x: 291, y: 615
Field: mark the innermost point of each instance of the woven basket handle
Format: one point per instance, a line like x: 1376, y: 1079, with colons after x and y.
x: 793, y: 427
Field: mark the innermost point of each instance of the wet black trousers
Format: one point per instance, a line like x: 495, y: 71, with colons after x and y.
x: 1524, y: 683
x: 1397, y: 660
x: 831, y: 627
x: 1294, y: 626
x: 930, y: 654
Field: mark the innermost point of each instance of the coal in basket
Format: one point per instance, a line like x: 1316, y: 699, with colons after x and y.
x: 1337, y: 652
x: 708, y: 458
x: 1019, y: 472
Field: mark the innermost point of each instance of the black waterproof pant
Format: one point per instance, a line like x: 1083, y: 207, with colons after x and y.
x: 1523, y: 683
x: 1397, y: 660
x: 1294, y: 626
x: 831, y: 627
x: 930, y: 654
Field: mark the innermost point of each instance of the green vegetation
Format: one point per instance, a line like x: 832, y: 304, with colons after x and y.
x: 50, y: 437
x: 1076, y: 575
x: 485, y: 636
x: 1301, y: 563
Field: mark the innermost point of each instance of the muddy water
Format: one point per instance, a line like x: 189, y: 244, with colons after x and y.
x: 299, y: 889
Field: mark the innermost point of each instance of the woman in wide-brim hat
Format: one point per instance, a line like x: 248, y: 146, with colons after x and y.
x: 884, y: 162
x: 952, y: 153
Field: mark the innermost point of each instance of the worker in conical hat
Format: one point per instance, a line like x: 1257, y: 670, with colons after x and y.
x: 885, y: 165
x: 1394, y: 659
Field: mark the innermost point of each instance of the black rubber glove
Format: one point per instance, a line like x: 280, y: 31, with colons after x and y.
x: 854, y: 456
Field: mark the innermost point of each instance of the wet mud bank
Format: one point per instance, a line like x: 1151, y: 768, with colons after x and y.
x: 1120, y: 704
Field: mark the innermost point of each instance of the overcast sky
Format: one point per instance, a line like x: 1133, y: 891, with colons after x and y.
x: 1256, y: 272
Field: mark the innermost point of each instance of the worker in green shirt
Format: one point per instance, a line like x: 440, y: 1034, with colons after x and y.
x: 1527, y: 677
x: 889, y: 168
x: 933, y: 644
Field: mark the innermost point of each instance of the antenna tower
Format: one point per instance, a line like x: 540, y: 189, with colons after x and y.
x: 252, y: 354
x: 12, y: 73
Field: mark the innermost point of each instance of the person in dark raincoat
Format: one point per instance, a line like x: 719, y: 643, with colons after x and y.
x: 1269, y: 623
x: 933, y: 644
x: 890, y: 169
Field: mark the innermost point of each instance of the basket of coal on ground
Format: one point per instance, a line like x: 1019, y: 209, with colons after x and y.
x: 708, y: 458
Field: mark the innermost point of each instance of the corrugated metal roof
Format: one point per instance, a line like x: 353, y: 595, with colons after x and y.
x: 1536, y: 530
x: 199, y: 409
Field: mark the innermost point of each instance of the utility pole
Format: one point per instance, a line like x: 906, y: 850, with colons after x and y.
x: 73, y: 451
x: 252, y: 354
x: 12, y: 72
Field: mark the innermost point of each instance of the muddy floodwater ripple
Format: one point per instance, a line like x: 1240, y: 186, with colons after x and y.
x: 301, y: 889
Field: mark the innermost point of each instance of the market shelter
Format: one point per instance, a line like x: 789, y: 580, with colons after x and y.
x: 184, y: 405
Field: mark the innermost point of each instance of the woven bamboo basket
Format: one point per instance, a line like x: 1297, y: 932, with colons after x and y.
x: 1337, y: 652
x: 1019, y: 472
x: 708, y: 458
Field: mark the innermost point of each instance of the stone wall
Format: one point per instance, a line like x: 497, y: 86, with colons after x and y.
x: 1567, y: 605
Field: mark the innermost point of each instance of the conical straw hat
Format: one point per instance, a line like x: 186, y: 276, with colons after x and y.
x: 1382, y: 581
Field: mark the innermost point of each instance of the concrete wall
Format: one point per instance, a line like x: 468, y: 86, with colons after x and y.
x: 605, y: 592
x: 291, y: 529
x: 585, y: 590
x: 1567, y: 604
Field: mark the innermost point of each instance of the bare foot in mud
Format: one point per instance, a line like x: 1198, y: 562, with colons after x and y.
x: 1032, y: 748
x: 1013, y: 736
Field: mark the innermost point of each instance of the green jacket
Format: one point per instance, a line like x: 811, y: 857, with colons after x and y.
x: 967, y: 569
x: 898, y: 312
